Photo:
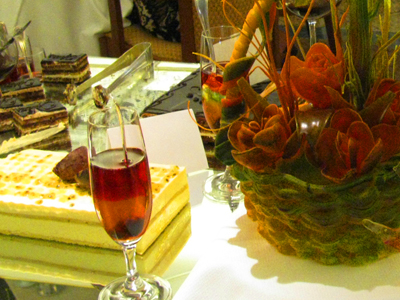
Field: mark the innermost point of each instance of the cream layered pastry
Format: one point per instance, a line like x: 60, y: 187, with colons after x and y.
x: 36, y: 203
x: 91, y: 265
x: 65, y: 68
x: 39, y: 116
x: 26, y: 90
x: 6, y: 115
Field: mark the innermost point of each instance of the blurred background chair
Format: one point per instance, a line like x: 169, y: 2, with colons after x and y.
x: 120, y: 38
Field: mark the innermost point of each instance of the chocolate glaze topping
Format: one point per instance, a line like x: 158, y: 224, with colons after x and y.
x: 62, y: 58
x: 10, y: 102
x: 25, y: 111
x: 47, y: 106
x: 21, y: 84
x: 50, y: 106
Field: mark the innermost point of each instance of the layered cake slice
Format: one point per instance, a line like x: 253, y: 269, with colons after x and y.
x: 36, y: 203
x: 26, y: 89
x: 39, y: 116
x: 91, y: 265
x: 6, y: 115
x: 65, y: 68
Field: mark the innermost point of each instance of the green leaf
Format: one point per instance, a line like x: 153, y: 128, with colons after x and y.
x: 360, y: 44
x: 254, y: 101
x: 237, y: 68
x: 223, y: 146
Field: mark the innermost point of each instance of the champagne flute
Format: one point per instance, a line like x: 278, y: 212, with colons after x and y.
x: 217, y: 45
x: 121, y: 191
x: 320, y: 9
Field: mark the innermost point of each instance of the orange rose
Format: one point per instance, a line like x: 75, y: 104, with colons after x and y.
x: 389, y: 135
x: 260, y: 146
x: 310, y: 78
x: 392, y: 114
x: 344, y: 155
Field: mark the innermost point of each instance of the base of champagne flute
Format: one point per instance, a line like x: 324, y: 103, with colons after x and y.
x: 155, y: 288
x: 223, y: 188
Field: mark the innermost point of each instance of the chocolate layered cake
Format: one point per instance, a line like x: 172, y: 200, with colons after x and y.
x: 65, y: 68
x: 59, y: 141
x: 39, y: 116
x: 26, y: 89
x: 6, y: 115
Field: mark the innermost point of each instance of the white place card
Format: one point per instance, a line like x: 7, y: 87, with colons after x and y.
x: 174, y: 139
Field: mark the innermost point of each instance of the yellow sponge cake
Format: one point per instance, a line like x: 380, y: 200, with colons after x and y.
x: 35, y: 203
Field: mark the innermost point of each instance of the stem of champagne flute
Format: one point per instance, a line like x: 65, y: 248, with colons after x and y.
x: 312, y: 24
x: 133, y: 281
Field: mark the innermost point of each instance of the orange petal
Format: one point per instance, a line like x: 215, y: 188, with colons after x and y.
x: 281, y: 120
x: 321, y: 59
x: 241, y: 136
x: 361, y: 142
x: 293, y: 145
x: 390, y: 136
x: 342, y: 144
x: 271, y: 110
x: 389, y: 117
x: 294, y: 64
x: 328, y: 155
x: 342, y: 119
x: 385, y: 85
x: 319, y: 49
x: 337, y: 100
x: 374, y: 113
x: 255, y: 159
x: 272, y: 139
x: 310, y: 86
x: 349, y: 175
x: 273, y: 120
x: 373, y: 158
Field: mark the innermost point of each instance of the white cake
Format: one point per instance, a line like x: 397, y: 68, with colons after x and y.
x: 35, y: 203
x: 91, y: 265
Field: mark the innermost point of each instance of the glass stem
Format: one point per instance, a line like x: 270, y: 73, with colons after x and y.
x: 312, y: 24
x: 133, y: 281
x: 227, y: 174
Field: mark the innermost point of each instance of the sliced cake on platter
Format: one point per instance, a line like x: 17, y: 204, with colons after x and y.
x: 36, y: 203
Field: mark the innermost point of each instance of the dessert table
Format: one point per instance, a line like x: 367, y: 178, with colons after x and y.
x: 225, y: 257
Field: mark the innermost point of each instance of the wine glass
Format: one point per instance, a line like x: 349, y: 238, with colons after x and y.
x: 121, y: 191
x: 320, y: 9
x: 217, y: 45
x: 8, y: 59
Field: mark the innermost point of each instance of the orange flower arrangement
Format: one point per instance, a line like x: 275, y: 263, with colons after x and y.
x: 314, y: 167
x: 361, y: 124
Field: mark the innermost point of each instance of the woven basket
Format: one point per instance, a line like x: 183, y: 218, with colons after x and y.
x: 323, y: 223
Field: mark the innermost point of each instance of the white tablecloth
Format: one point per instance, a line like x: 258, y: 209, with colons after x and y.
x: 239, y: 264
x: 61, y: 26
